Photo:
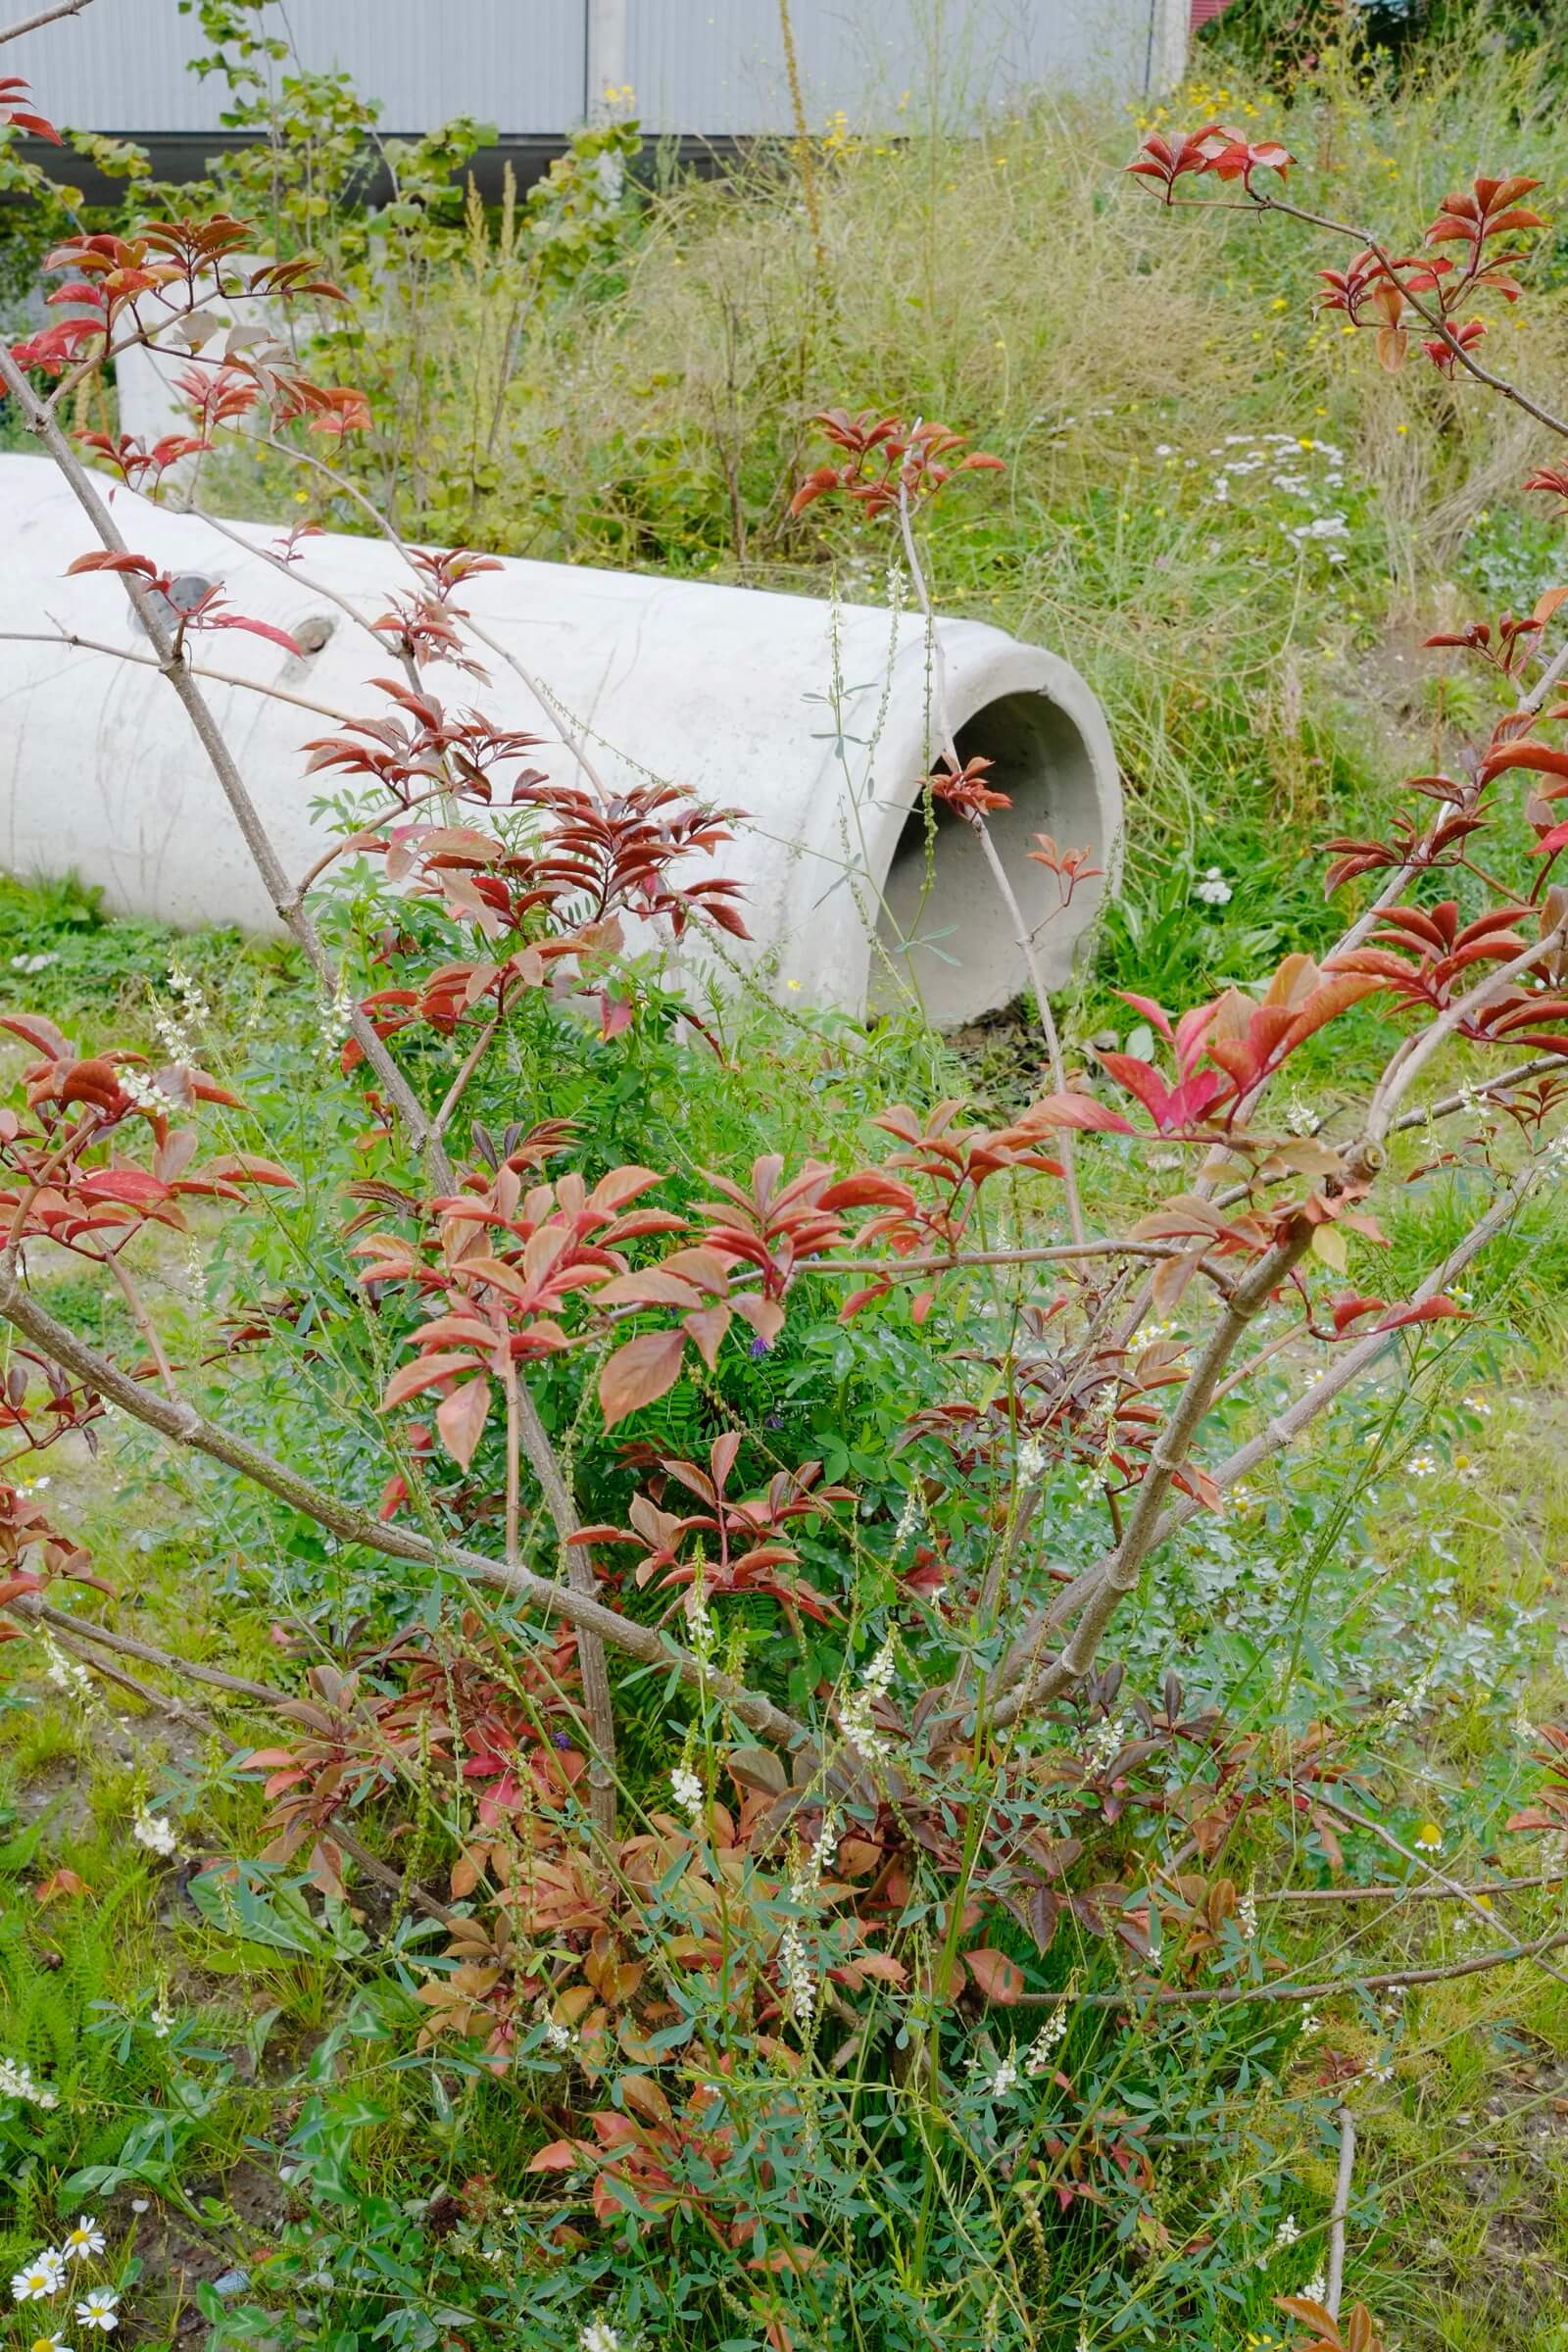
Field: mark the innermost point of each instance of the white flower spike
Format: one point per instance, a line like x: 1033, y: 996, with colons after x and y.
x: 155, y: 1831
x: 17, y: 2083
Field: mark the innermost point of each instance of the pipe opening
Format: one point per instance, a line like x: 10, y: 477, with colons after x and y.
x: 940, y: 898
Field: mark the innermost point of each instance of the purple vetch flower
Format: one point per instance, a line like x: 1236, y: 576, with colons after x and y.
x: 561, y: 1739
x: 761, y: 1347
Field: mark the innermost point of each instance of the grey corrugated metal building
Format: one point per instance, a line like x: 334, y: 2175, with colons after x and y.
x: 703, y: 69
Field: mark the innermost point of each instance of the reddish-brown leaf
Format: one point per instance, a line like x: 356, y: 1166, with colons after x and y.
x: 461, y: 1419
x: 639, y: 1372
x: 999, y: 1978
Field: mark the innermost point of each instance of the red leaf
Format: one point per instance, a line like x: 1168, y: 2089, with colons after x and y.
x: 706, y: 1326
x: 424, y: 1373
x: 1430, y: 1310
x: 1150, y: 1011
x: 103, y: 559
x: 133, y: 1185
x: 653, y: 1286
x: 257, y: 628
x: 870, y: 1188
x: 36, y: 1032
x: 244, y: 1167
x: 999, y: 1978
x: 1311, y: 2313
x: 765, y: 1315
x: 1140, y: 1080
x: 615, y: 1014
x: 638, y: 1373
x: 58, y: 1882
x: 1542, y: 758
x: 622, y: 1184
x: 1076, y: 1110
x: 461, y: 1419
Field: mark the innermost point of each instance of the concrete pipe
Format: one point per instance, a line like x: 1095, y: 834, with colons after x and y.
x: 725, y: 690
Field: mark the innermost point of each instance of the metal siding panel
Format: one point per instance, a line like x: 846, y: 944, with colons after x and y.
x: 713, y: 66
x: 718, y: 66
x: 706, y: 65
x: 119, y: 69
x: 519, y: 64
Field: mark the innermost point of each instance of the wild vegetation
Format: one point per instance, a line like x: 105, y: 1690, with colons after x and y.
x: 687, y: 1672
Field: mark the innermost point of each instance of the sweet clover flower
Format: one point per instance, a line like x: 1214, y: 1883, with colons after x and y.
x: 155, y: 1831
x: 17, y: 2083
x: 859, y: 1727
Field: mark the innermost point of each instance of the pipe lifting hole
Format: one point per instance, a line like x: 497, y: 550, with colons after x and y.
x: 940, y: 898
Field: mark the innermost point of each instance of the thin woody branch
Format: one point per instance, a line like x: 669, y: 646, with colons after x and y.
x: 1016, y: 1684
x: 1265, y: 203
x: 184, y: 1426
x: 43, y: 424
x: 87, y: 1629
x: 1121, y: 1568
x: 44, y: 15
x: 73, y: 640
x: 1341, y: 2212
x: 1396, y: 1846
x: 1418, y: 1051
x: 1236, y: 1997
x: 571, y: 735
x: 1024, y: 937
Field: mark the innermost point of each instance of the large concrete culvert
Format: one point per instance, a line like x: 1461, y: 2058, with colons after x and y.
x: 725, y: 690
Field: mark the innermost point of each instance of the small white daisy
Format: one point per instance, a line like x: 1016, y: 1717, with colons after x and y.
x: 39, y: 2279
x: 86, y: 2239
x: 99, y: 2308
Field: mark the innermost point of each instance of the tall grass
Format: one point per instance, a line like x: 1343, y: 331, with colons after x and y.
x: 1118, y: 356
